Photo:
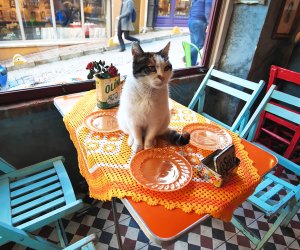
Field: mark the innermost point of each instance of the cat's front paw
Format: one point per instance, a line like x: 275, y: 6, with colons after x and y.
x: 136, y: 148
x: 150, y: 144
x: 130, y: 141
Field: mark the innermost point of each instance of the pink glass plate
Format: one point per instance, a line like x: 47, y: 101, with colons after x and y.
x: 208, y: 136
x: 102, y: 121
x: 161, y: 170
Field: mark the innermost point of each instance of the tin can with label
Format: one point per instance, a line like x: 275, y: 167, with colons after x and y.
x: 108, y: 91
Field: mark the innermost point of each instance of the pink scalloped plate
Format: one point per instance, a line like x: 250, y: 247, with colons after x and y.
x: 102, y: 121
x: 208, y: 136
x: 161, y: 170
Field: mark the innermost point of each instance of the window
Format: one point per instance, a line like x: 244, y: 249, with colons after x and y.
x: 37, y: 24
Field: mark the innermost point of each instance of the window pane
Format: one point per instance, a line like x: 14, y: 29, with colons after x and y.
x: 182, y: 8
x: 68, y: 20
x: 9, y: 27
x: 34, y: 17
x: 94, y: 18
x: 164, y: 8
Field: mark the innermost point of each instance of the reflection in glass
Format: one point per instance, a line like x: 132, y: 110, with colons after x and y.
x: 35, y: 17
x: 9, y: 26
x: 94, y: 18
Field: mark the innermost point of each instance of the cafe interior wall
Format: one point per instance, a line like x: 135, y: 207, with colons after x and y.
x: 250, y: 50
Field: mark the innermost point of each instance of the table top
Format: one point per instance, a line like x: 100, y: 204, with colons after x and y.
x: 175, y: 221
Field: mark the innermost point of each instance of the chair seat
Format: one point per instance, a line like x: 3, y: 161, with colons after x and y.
x: 37, y: 195
x: 269, y: 190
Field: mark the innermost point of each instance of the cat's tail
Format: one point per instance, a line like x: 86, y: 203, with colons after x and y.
x: 176, y: 138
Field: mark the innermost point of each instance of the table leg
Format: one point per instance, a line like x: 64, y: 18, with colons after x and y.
x: 117, y: 231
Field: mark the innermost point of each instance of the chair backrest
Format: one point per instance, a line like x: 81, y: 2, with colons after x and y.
x: 233, y: 86
x: 5, y: 167
x: 27, y: 239
x: 268, y: 107
x: 282, y: 74
x: 187, y: 46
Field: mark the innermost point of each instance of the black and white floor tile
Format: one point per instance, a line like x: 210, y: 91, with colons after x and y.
x: 212, y: 234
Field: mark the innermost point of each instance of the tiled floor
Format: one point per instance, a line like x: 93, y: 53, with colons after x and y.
x: 212, y: 234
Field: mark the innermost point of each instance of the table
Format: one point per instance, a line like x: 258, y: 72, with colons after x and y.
x: 175, y: 222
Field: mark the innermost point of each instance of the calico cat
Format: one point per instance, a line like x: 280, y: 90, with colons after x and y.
x: 144, y: 104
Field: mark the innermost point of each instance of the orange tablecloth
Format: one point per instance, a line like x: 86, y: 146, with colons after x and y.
x: 104, y: 161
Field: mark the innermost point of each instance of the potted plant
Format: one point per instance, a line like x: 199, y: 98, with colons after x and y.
x: 108, y: 85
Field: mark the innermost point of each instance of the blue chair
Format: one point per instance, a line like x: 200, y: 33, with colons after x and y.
x: 266, y: 197
x: 187, y: 52
x: 27, y: 239
x: 35, y: 196
x: 233, y: 86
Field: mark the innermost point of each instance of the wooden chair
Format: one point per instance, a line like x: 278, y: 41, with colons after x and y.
x: 21, y: 237
x: 266, y: 196
x: 187, y: 52
x: 35, y: 196
x: 233, y: 86
x: 277, y: 133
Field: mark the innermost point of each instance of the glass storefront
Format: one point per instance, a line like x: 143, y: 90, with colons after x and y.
x: 52, y: 19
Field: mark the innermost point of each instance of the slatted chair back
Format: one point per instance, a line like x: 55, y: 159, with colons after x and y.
x: 187, y: 47
x: 277, y: 73
x: 233, y: 86
x: 273, y: 130
x: 21, y: 237
x: 273, y: 196
x: 274, y: 108
x: 36, y: 196
x: 5, y: 167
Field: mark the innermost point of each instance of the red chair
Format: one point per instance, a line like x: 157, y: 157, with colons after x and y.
x: 277, y: 133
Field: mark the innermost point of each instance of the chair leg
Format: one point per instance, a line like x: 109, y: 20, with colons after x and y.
x: 259, y: 243
x: 61, y: 233
x: 246, y: 231
x: 291, y: 214
x: 114, y: 210
x: 277, y: 223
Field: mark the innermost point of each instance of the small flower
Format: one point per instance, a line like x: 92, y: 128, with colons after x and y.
x: 90, y: 66
x: 112, y: 70
x: 101, y: 70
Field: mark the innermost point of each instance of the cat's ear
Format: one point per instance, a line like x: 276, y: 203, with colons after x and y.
x: 165, y: 51
x: 136, y: 49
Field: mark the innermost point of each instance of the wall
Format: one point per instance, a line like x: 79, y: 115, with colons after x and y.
x: 34, y: 132
x: 242, y: 37
x: 250, y: 50
x: 272, y: 50
x: 8, y: 53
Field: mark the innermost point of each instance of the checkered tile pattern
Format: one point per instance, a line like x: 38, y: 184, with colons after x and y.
x: 212, y: 234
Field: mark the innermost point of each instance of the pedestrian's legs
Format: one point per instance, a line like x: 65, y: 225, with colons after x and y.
x: 130, y: 38
x: 197, y: 32
x: 122, y: 45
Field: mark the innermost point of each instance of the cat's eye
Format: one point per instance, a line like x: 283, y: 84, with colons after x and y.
x: 151, y: 69
x: 168, y: 67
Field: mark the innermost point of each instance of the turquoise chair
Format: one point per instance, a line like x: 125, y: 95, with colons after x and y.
x: 233, y: 86
x: 266, y: 195
x: 35, y: 196
x: 27, y: 239
x: 187, y: 52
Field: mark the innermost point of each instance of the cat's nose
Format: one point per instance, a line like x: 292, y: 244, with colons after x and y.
x: 161, y: 78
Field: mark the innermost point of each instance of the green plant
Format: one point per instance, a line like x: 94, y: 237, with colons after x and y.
x: 101, y: 70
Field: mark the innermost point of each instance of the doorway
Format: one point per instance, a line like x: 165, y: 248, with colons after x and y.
x: 173, y: 13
